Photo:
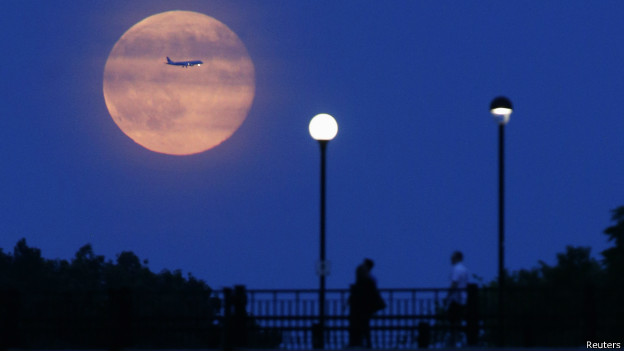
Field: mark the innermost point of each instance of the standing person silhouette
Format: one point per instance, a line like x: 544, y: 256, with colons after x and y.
x: 364, y: 301
x: 456, y: 299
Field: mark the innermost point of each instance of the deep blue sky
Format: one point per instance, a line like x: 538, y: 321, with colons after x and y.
x: 412, y: 174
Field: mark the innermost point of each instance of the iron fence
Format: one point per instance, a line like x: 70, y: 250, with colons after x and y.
x: 412, y: 318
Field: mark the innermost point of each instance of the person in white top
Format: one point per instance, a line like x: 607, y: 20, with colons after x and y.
x: 459, y: 279
x: 456, y: 298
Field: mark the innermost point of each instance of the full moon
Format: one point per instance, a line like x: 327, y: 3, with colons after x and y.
x: 179, y: 110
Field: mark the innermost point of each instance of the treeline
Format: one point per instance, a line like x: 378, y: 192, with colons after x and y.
x: 26, y: 270
x: 93, y: 302
x: 578, y: 299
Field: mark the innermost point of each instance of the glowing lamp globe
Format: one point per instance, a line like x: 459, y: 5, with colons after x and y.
x: 323, y: 127
x: 501, y: 108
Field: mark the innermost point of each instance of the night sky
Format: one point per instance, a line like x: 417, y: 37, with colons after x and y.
x: 411, y: 176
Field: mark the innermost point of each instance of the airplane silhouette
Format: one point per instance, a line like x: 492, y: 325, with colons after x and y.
x: 184, y: 64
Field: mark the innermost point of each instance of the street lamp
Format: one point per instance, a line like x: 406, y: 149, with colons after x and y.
x: 501, y: 108
x: 323, y: 128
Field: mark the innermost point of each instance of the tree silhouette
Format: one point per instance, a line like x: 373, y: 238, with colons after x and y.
x: 92, y: 302
x: 579, y: 297
x: 613, y: 261
x: 614, y: 256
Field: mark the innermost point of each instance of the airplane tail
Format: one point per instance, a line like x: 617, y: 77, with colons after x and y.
x: 169, y: 60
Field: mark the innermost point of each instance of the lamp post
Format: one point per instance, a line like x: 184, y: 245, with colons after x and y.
x: 323, y: 128
x: 501, y: 109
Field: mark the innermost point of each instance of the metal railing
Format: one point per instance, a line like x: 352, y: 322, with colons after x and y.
x: 290, y: 316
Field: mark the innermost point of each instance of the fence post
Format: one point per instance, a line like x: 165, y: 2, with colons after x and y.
x: 239, y: 320
x: 472, y: 315
x: 424, y: 335
x: 317, y: 336
x: 227, y: 316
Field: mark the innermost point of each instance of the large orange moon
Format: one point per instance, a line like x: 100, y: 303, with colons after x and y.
x: 171, y: 109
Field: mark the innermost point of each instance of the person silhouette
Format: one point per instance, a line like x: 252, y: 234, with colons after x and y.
x: 364, y: 301
x: 456, y: 299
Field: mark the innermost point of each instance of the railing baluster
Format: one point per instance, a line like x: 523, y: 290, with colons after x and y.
x: 274, y: 305
x: 304, y: 323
